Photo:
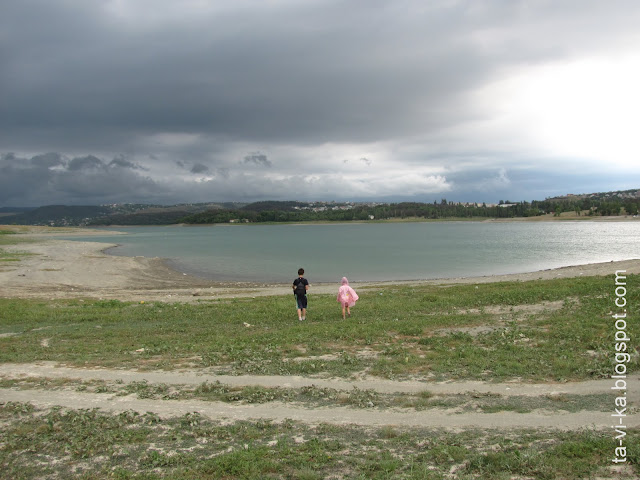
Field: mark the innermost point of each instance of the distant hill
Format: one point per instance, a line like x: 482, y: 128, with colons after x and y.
x: 113, y: 214
x: 157, y: 214
x: 270, y: 205
x: 620, y: 195
x: 57, y: 215
x: 15, y: 210
x: 11, y: 211
x: 157, y: 217
x: 620, y: 202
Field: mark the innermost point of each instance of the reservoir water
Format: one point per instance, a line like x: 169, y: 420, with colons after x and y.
x: 377, y: 251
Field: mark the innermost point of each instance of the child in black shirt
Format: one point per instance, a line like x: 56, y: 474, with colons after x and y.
x: 300, y: 287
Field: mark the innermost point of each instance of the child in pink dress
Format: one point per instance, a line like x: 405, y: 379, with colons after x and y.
x: 347, y: 297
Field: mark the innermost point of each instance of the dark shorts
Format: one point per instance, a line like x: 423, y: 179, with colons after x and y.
x: 301, y: 301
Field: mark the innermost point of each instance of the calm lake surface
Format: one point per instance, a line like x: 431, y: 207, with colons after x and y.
x: 377, y: 251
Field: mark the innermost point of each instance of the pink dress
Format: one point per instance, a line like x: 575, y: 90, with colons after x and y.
x: 347, y: 296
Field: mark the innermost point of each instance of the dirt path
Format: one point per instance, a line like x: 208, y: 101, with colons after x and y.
x: 278, y: 411
x: 194, y: 378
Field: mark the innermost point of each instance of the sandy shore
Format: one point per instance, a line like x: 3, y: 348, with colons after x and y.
x: 68, y: 269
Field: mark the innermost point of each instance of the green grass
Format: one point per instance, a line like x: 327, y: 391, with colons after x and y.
x: 9, y: 237
x: 88, y: 444
x: 394, y: 332
x: 12, y: 256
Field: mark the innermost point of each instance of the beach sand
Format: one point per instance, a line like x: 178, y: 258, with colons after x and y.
x: 68, y: 269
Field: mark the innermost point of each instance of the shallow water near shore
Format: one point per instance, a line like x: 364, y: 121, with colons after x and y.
x: 377, y: 251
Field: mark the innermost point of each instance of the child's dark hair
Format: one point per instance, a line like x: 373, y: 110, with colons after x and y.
x: 301, y: 271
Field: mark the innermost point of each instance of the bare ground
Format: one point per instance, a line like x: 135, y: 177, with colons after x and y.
x: 278, y: 411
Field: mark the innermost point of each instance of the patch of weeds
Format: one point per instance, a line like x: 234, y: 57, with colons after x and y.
x: 256, y: 394
x: 108, y: 304
x: 157, y: 460
x: 388, y: 432
x: 361, y: 398
x: 11, y: 238
x: 12, y: 256
x: 145, y: 389
x: 9, y: 409
x: 214, y: 389
x: 572, y: 456
x: 380, y: 464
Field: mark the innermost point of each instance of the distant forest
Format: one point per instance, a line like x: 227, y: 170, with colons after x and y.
x: 596, y: 204
x: 294, y: 212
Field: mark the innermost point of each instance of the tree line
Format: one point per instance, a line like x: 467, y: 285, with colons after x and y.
x: 405, y: 210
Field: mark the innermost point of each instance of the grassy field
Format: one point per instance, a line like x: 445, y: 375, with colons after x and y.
x: 538, y: 331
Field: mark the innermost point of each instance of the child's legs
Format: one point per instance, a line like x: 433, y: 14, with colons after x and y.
x: 299, y: 305
x: 302, y: 306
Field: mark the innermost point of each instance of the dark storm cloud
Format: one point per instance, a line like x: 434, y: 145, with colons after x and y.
x: 47, y: 179
x: 121, y: 161
x: 339, y: 71
x: 199, y: 168
x: 190, y: 87
x: 195, y: 168
x: 48, y: 160
x: 257, y: 159
x: 85, y: 163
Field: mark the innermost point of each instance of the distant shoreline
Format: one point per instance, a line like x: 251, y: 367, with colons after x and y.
x: 565, y: 217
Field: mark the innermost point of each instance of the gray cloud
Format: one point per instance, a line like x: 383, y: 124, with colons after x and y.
x: 257, y: 158
x: 121, y: 161
x: 48, y: 160
x: 199, y: 168
x: 298, y: 71
x: 88, y: 179
x: 86, y: 163
x: 174, y: 90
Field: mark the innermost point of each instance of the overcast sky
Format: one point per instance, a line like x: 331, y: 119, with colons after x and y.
x: 160, y: 101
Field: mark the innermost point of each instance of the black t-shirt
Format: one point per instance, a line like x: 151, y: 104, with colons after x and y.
x: 300, y: 284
